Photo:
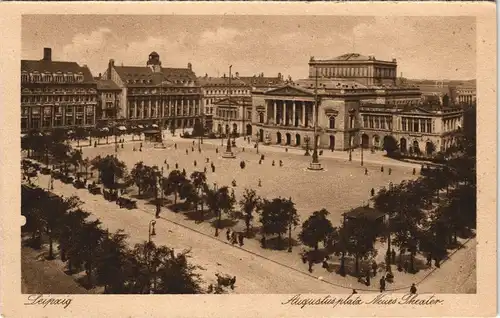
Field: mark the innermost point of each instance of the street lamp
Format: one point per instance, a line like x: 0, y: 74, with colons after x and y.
x: 351, y: 124
x: 257, y: 135
x: 228, y: 153
x: 307, y: 139
x: 159, y: 179
x: 362, y: 150
x: 151, y: 231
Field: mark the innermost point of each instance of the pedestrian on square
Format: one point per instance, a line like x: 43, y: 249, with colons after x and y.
x: 390, y: 171
x: 310, y: 266
x: 192, y: 149
x: 216, y: 150
x: 207, y: 160
x: 165, y: 161
x: 187, y: 152
x: 95, y: 144
x: 260, y: 183
x: 281, y: 163
x: 134, y: 149
x: 413, y: 289
x: 286, y: 149
x: 382, y: 284
x: 366, y: 171
x: 261, y: 157
x: 233, y: 183
x: 234, y: 240
x: 354, y: 291
x: 243, y: 150
x: 382, y: 169
x: 199, y: 150
x: 273, y: 163
x: 184, y: 171
x: 228, y: 234
x: 260, y: 161
x: 374, y: 268
x: 175, y: 146
x: 176, y: 165
x: 195, y: 163
x: 140, y: 149
x: 372, y: 192
x: 213, y: 168
x: 193, y: 142
x: 141, y: 145
x: 414, y: 171
x: 240, y: 238
x: 122, y: 146
x: 168, y: 167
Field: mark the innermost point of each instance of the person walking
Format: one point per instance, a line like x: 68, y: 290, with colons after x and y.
x: 228, y: 234
x: 366, y: 171
x: 382, y: 284
x: 372, y: 192
x: 240, y: 238
x: 374, y: 268
x: 413, y: 289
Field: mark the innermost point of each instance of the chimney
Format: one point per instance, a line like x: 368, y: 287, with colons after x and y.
x: 47, y: 54
x: 190, y: 67
x: 111, y: 64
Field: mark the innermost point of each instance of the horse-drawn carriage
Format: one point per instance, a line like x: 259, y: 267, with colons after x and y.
x: 127, y: 203
x: 45, y: 171
x: 94, y: 188
x: 79, y: 184
x: 110, y: 195
x: 67, y: 179
x: 226, y: 280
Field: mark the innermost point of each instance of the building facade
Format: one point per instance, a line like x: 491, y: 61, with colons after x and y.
x: 233, y: 115
x: 350, y: 114
x: 109, y: 104
x: 153, y: 94
x: 366, y: 70
x: 56, y: 94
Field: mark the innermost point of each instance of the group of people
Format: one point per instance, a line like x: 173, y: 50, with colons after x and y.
x: 234, y: 237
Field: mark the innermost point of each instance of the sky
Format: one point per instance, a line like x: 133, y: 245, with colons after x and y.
x: 425, y: 47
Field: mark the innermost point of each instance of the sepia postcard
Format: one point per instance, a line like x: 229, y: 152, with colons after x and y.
x: 248, y: 159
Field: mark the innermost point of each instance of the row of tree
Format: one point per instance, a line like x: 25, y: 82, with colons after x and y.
x: 105, y: 257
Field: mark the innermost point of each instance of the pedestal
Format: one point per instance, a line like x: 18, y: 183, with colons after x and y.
x: 228, y: 155
x: 315, y: 166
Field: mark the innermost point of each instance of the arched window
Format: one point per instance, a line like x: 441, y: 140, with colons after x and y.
x: 261, y: 118
x: 332, y: 122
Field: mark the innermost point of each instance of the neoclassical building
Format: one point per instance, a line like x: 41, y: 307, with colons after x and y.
x: 56, y: 94
x: 153, y: 94
x: 350, y: 113
x: 233, y: 115
x: 109, y: 104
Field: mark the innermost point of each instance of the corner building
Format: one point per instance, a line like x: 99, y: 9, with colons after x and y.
x: 153, y: 94
x: 56, y: 94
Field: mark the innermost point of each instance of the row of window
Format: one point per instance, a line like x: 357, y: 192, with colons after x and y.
x: 51, y: 78
x: 339, y: 71
x: 57, y: 110
x: 451, y: 124
x: 145, y: 112
x: 58, y: 98
x: 411, y: 124
x: 55, y: 90
x: 229, y: 114
x: 378, y: 122
x: 226, y: 92
x: 48, y: 122
x: 172, y: 102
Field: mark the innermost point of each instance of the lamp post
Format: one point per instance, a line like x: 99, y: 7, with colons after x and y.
x: 351, y: 124
x: 257, y: 135
x: 362, y: 150
x: 315, y: 165
x: 307, y: 139
x: 228, y: 153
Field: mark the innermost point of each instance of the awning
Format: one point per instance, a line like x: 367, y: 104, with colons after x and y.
x: 154, y: 125
x: 105, y: 129
x: 140, y: 127
x: 71, y: 132
x: 122, y: 128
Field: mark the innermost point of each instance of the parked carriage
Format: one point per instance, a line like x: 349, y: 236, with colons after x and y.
x: 94, y: 189
x: 127, y: 203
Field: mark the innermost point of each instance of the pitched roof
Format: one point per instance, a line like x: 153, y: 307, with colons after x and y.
x: 261, y: 81
x: 235, y: 101
x: 107, y: 85
x: 144, y: 76
x: 43, y: 66
x: 220, y: 81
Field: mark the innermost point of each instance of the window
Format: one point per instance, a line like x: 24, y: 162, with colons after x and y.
x: 415, y: 125
x: 89, y: 120
x: 332, y: 122
x: 46, y: 122
x: 428, y: 123
x: 422, y: 125
x: 69, y: 121
x: 403, y: 124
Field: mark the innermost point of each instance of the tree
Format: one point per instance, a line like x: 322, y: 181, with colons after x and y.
x: 359, y: 238
x: 249, y: 203
x: 95, y: 164
x: 198, y: 129
x: 112, y: 262
x: 33, y: 212
x: 174, y: 183
x: 277, y: 216
x: 87, y: 240
x: 80, y: 134
x: 71, y: 224
x: 316, y: 229
x: 55, y: 208
x: 144, y: 177
x: 390, y: 145
x: 177, y: 276
x: 111, y: 170
x: 219, y: 201
x: 199, y: 180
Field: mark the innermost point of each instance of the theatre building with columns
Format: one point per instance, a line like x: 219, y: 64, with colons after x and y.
x: 358, y: 103
x: 153, y: 94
